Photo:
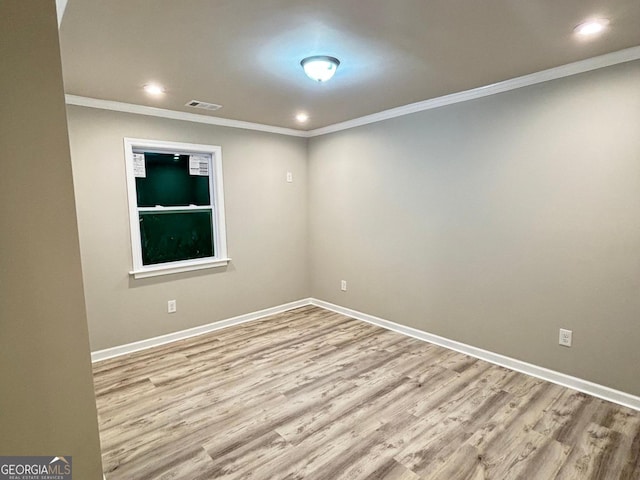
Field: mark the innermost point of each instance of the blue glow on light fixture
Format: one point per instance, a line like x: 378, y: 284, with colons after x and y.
x: 320, y: 67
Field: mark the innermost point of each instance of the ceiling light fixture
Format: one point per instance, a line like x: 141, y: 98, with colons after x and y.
x: 302, y: 117
x: 320, y: 67
x: 153, y: 89
x: 591, y: 27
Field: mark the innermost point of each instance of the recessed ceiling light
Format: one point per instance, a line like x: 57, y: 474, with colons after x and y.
x: 320, y: 68
x: 591, y: 27
x: 153, y: 89
x: 302, y: 117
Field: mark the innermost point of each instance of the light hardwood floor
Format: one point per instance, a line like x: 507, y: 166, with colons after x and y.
x: 311, y: 394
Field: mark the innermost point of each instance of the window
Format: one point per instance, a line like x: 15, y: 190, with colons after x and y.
x: 176, y: 207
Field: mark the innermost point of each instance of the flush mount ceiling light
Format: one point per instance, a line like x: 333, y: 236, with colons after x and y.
x: 302, y: 117
x: 320, y: 67
x: 153, y: 89
x: 591, y: 27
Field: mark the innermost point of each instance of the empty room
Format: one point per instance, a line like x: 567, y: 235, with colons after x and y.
x: 290, y: 239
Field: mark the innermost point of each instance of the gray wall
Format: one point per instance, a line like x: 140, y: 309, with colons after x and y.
x: 494, y: 222
x: 266, y: 228
x: 47, y: 405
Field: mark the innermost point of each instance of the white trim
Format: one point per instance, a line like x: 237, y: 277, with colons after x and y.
x: 61, y: 6
x: 594, y: 63
x: 590, y: 388
x: 567, y: 70
x: 185, y: 266
x: 216, y: 206
x: 160, y: 208
x: 193, y: 332
x: 594, y: 389
x: 175, y: 115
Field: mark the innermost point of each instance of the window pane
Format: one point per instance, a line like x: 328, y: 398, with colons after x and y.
x: 169, y: 183
x: 174, y: 236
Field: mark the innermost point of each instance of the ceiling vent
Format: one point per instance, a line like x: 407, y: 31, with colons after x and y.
x: 203, y: 105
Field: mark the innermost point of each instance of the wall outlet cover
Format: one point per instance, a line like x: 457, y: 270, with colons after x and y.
x: 171, y: 306
x: 565, y: 337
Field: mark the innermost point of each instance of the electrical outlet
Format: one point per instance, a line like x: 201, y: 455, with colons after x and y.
x: 343, y: 285
x: 565, y: 337
x: 171, y: 306
x: 290, y: 177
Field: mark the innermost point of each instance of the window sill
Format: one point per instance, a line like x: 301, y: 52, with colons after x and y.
x: 157, y: 270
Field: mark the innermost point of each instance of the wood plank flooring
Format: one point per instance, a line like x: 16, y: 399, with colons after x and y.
x: 311, y: 394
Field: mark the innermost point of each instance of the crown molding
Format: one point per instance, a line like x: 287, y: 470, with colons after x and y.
x: 594, y: 63
x: 61, y: 6
x: 176, y: 115
x: 582, y: 66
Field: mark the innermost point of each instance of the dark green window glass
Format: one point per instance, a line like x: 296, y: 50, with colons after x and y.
x: 174, y: 236
x: 168, y: 182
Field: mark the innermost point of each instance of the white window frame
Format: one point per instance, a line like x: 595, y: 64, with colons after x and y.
x: 220, y: 258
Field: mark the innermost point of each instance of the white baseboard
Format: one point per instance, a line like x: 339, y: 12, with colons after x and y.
x: 599, y: 391
x: 558, y: 378
x: 192, y: 332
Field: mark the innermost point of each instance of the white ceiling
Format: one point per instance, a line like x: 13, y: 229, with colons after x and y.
x: 245, y: 54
